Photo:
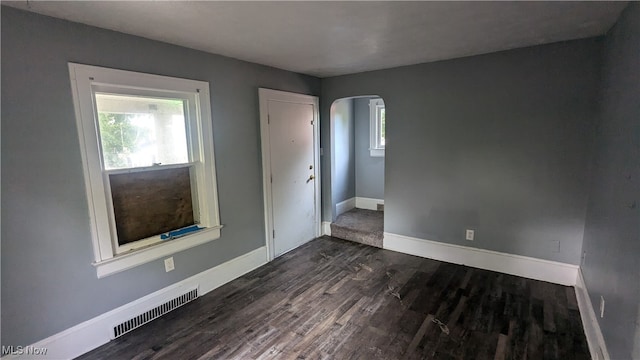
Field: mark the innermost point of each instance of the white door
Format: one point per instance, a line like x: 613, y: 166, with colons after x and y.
x: 290, y: 161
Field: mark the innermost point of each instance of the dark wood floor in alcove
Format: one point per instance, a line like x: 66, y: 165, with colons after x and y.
x: 336, y: 299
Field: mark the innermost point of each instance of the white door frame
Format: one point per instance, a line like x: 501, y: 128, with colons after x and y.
x: 265, y: 96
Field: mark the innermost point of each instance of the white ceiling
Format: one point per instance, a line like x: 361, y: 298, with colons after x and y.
x: 334, y: 38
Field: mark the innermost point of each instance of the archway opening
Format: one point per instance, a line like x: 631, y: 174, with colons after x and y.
x: 358, y: 132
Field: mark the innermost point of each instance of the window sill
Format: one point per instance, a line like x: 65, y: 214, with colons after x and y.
x: 129, y: 260
x: 376, y: 152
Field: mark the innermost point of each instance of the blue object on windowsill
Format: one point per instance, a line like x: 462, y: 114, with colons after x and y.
x: 180, y: 232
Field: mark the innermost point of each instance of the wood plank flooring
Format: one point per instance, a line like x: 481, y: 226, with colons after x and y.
x: 335, y: 299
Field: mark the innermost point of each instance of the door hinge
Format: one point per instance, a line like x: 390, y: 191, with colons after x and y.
x: 311, y: 122
x: 274, y: 234
x: 268, y: 119
x: 271, y: 178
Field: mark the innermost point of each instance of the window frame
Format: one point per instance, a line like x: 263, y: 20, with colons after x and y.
x: 376, y: 149
x: 109, y: 256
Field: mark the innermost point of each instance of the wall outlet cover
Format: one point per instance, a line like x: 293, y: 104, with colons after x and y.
x: 168, y: 264
x: 470, y: 235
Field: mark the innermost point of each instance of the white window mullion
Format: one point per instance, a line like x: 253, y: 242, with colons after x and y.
x: 376, y: 148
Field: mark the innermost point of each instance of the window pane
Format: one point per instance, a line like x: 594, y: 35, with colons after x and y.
x: 382, y: 127
x: 141, y: 131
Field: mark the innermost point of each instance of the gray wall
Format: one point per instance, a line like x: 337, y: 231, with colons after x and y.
x: 48, y: 283
x: 498, y: 143
x: 344, y: 180
x: 369, y: 169
x: 612, y: 232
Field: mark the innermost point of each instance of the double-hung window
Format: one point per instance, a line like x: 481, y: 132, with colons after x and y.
x: 147, y: 151
x: 377, y: 127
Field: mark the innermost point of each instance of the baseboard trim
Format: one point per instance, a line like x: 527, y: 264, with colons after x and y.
x: 95, y: 332
x: 326, y: 228
x: 597, y: 346
x: 532, y: 268
x: 344, y: 206
x: 368, y: 203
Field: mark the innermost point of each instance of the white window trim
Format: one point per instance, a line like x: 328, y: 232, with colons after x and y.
x: 375, y: 149
x: 84, y: 80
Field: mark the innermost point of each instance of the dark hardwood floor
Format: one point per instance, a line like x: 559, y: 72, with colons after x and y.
x: 336, y: 299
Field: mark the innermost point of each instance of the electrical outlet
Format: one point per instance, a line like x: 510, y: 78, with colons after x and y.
x: 601, y: 306
x: 555, y: 246
x: 168, y: 264
x: 470, y: 234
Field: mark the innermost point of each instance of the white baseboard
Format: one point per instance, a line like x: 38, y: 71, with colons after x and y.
x: 344, y: 206
x: 368, y: 203
x: 597, y: 346
x: 358, y: 202
x: 95, y: 332
x: 532, y: 268
x: 326, y: 228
